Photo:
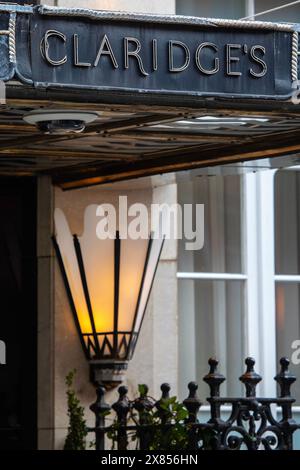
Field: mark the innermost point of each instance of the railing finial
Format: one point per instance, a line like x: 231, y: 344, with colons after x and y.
x: 99, y: 408
x: 284, y: 378
x: 163, y: 413
x: 250, y: 378
x: 214, y: 379
x: 165, y: 388
x: 192, y: 402
x: 122, y: 407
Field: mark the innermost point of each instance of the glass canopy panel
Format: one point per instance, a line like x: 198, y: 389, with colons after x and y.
x: 65, y: 242
x: 132, y: 262
x: 148, y: 280
x: 98, y: 256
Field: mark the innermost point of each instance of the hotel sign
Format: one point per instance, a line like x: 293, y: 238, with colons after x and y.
x: 50, y: 47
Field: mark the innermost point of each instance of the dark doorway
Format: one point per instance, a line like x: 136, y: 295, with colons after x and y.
x: 18, y: 314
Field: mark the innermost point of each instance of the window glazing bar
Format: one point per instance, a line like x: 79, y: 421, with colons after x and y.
x: 287, y: 278
x: 212, y: 276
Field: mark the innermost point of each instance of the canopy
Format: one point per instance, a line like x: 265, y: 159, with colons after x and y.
x: 168, y: 93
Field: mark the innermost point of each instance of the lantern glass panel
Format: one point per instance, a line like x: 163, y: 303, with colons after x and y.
x: 65, y: 242
x: 149, y: 276
x: 132, y: 261
x: 98, y: 258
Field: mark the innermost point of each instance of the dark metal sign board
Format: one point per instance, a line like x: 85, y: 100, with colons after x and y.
x: 50, y: 47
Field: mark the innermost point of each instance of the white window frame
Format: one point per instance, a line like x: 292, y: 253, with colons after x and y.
x: 258, y: 276
x: 260, y: 311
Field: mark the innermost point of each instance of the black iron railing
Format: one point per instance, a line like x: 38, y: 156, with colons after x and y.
x: 253, y: 423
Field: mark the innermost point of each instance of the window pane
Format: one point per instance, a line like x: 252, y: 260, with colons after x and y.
x: 291, y: 13
x: 287, y: 217
x: 211, y: 319
x: 211, y: 8
x: 288, y: 325
x: 221, y: 196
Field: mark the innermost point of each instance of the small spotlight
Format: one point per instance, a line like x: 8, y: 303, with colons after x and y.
x: 60, y: 122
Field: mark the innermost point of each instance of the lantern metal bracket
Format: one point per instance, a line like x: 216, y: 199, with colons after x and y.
x: 109, y: 373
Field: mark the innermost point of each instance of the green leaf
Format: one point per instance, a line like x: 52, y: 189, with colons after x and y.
x: 142, y: 388
x: 104, y: 413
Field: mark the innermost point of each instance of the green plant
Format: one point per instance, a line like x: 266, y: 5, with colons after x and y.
x: 77, y: 430
x: 174, y: 434
x: 167, y: 427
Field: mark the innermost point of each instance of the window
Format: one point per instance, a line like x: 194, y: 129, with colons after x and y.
x: 211, y: 286
x: 240, y: 294
x: 287, y: 262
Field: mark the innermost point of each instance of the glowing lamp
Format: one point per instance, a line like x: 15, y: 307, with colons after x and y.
x: 108, y: 283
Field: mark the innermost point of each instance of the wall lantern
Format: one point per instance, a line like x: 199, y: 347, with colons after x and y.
x: 108, y: 283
